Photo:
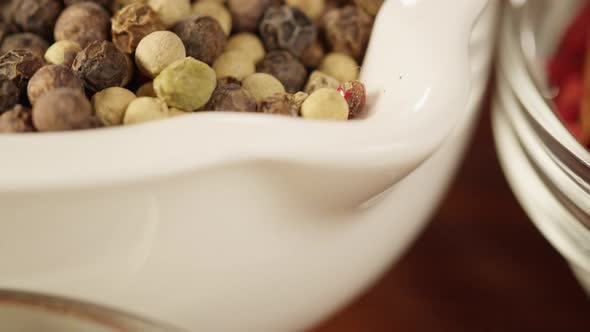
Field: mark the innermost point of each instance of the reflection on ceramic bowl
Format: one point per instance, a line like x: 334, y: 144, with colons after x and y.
x: 31, y: 312
x: 234, y: 222
x: 547, y: 169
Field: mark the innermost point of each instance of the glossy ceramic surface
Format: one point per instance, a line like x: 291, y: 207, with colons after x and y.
x: 276, y: 222
x: 547, y: 169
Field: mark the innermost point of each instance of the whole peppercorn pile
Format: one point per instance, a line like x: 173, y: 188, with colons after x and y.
x: 82, y: 64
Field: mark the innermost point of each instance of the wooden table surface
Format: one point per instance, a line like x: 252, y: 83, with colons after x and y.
x: 480, y: 266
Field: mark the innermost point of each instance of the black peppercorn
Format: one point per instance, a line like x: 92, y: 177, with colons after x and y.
x: 19, y: 66
x: 286, y: 68
x: 27, y: 41
x: 37, y: 16
x: 9, y: 94
x: 230, y: 96
x: 202, y: 36
x: 347, y: 30
x: 101, y: 65
x: 17, y: 120
x: 287, y: 28
x: 83, y: 23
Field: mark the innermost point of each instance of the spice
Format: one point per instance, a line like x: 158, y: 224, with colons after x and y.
x: 110, y: 105
x: 230, y: 96
x: 62, y: 109
x: 246, y: 14
x: 7, y: 26
x: 103, y: 3
x: 203, y: 38
x: 287, y: 28
x: 62, y: 53
x: 171, y: 11
x: 356, y: 96
x: 36, y: 16
x: 234, y: 64
x: 146, y: 90
x: 9, y: 94
x: 318, y: 80
x: 371, y: 7
x: 340, y: 66
x: 217, y: 11
x: 131, y: 24
x: 281, y: 104
x: 248, y: 44
x: 145, y: 109
x: 286, y: 68
x: 19, y: 66
x: 130, y: 70
x: 262, y: 86
x: 17, y: 120
x: 117, y: 5
x: 27, y: 41
x: 158, y: 50
x: 101, y: 65
x: 52, y: 77
x: 313, y: 55
x: 347, y: 30
x: 186, y: 84
x: 325, y: 104
x: 83, y: 23
x: 312, y: 8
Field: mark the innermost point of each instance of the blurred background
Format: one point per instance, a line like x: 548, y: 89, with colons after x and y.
x: 480, y: 266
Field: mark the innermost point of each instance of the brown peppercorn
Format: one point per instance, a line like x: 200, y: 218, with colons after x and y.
x: 103, y: 3
x: 17, y: 120
x: 117, y: 5
x: 83, y: 23
x: 7, y: 26
x: 313, y: 55
x: 280, y: 103
x: 347, y: 30
x: 246, y: 14
x: 370, y: 6
x: 286, y: 68
x: 202, y: 36
x: 230, y: 96
x: 62, y: 109
x: 19, y: 66
x: 37, y: 16
x: 27, y: 41
x: 52, y: 77
x: 287, y: 28
x: 9, y: 94
x: 132, y: 23
x: 101, y: 65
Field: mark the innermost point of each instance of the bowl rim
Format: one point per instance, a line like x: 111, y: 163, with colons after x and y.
x: 80, y: 310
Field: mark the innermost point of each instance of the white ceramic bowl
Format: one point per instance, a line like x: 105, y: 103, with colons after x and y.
x: 31, y: 312
x: 228, y: 222
x: 545, y: 166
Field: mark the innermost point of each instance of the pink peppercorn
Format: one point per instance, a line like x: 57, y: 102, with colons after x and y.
x: 356, y: 96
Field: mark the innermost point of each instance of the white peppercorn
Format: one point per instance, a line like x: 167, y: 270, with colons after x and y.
x: 340, y: 66
x: 325, y: 104
x: 262, y: 86
x: 248, y: 43
x: 157, y: 51
x: 62, y: 53
x: 110, y: 105
x: 171, y: 11
x: 234, y: 64
x: 145, y: 109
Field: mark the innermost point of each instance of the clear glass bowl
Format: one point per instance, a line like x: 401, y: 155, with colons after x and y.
x: 31, y: 312
x: 548, y: 170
